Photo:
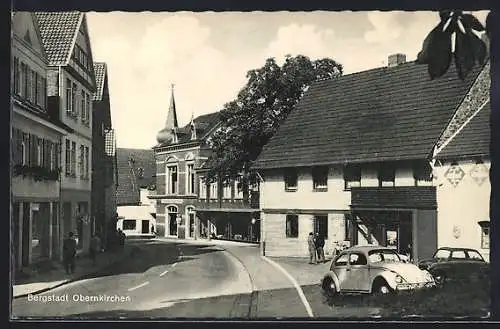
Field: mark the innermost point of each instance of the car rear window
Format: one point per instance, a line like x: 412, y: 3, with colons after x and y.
x: 381, y: 255
x: 474, y: 255
x: 458, y: 254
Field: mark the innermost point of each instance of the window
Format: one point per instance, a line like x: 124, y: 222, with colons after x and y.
x: 238, y: 188
x: 474, y: 255
x: 73, y: 159
x: 357, y: 259
x: 87, y: 111
x: 172, y: 179
x: 291, y: 179
x: 17, y: 75
x: 213, y: 191
x: 39, y: 153
x: 292, y: 226
x: 81, y: 161
x: 69, y: 98
x: 203, y: 188
x: 341, y: 260
x: 24, y: 80
x: 383, y: 255
x: 442, y: 254
x: 74, y: 103
x: 321, y: 225
x: 33, y: 86
x: 320, y: 177
x: 87, y: 155
x: 352, y: 176
x: 68, y: 158
x: 83, y: 102
x: 190, y: 178
x: 29, y: 83
x: 40, y: 94
x: 386, y: 176
x: 24, y: 158
x: 129, y: 224
x: 226, y: 190
x: 485, y: 237
x: 458, y: 254
x: 52, y: 156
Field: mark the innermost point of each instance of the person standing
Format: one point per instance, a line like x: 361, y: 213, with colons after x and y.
x: 320, y: 244
x: 69, y: 253
x: 312, y: 249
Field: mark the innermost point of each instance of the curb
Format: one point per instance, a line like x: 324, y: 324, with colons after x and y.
x: 81, y: 277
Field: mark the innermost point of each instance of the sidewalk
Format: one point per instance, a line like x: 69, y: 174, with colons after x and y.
x: 55, y: 277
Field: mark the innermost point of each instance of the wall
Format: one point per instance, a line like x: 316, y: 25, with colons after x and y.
x: 462, y: 206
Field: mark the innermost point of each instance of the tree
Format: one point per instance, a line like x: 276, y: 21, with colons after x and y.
x: 469, y: 48
x: 249, y: 121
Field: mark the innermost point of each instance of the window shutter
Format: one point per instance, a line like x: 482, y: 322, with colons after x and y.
x: 56, y: 155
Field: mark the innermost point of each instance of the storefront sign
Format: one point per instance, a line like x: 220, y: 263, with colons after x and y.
x: 172, y: 201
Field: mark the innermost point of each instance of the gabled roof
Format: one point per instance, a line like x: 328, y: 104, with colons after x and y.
x: 58, y: 31
x: 36, y: 27
x: 473, y: 140
x: 130, y: 180
x: 383, y: 114
x: 100, y: 70
x: 203, y: 123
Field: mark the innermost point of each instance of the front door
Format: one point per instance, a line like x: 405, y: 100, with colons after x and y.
x: 357, y: 277
x: 145, y: 226
x: 191, y: 224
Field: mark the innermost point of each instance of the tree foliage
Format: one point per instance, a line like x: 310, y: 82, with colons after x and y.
x: 249, y: 121
x: 469, y: 48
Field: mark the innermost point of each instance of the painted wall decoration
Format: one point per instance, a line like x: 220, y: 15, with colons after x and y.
x: 454, y: 175
x: 456, y: 232
x: 479, y: 173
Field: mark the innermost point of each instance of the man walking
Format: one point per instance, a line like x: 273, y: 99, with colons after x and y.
x: 312, y: 249
x: 320, y: 244
x: 69, y: 253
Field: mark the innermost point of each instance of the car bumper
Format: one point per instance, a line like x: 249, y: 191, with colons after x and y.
x: 414, y: 286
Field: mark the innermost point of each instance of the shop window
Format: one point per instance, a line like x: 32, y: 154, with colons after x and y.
x: 129, y: 224
x: 203, y: 188
x: 292, y: 226
x: 320, y: 178
x: 321, y: 225
x: 291, y: 179
x: 352, y: 176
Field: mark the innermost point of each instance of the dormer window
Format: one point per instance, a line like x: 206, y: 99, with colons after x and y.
x: 352, y: 176
x: 386, y: 176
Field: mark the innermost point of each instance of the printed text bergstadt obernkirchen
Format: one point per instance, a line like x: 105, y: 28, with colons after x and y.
x: 101, y: 298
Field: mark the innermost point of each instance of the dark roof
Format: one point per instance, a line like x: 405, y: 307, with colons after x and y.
x: 203, y: 123
x: 58, y: 30
x: 100, y: 71
x: 130, y: 180
x: 382, y: 114
x: 473, y: 140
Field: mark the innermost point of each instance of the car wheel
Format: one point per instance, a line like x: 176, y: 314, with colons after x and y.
x: 329, y: 287
x: 381, y: 287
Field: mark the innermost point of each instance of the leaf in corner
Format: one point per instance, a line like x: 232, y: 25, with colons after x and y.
x: 464, y: 53
x: 438, y: 52
x: 472, y: 22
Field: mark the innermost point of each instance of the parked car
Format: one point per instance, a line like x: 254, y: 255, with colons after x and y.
x: 455, y: 264
x: 373, y: 269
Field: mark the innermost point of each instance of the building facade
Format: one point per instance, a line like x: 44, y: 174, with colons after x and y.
x: 359, y: 167
x: 136, y: 213
x: 104, y: 171
x: 71, y: 84
x: 187, y: 205
x: 35, y: 146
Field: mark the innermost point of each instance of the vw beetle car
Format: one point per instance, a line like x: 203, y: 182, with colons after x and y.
x: 373, y: 269
x: 455, y: 264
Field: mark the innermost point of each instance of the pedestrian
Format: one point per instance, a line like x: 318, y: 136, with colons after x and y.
x: 95, y: 248
x: 121, y: 238
x: 153, y: 230
x: 69, y: 253
x: 320, y: 245
x: 312, y: 249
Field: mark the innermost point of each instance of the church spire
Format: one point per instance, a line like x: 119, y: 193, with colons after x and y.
x: 169, y: 132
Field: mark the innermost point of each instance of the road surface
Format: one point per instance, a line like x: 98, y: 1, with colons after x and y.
x: 174, y: 280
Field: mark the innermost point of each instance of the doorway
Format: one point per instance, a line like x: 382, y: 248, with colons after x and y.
x: 172, y: 220
x: 145, y: 226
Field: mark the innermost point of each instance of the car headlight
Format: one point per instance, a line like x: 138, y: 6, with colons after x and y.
x: 398, y: 279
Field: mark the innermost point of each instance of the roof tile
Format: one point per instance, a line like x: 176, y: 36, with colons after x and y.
x: 100, y: 70
x: 130, y: 180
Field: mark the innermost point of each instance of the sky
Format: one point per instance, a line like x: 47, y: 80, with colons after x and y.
x: 207, y: 55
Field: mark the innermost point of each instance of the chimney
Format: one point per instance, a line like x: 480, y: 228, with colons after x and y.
x: 396, y: 59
